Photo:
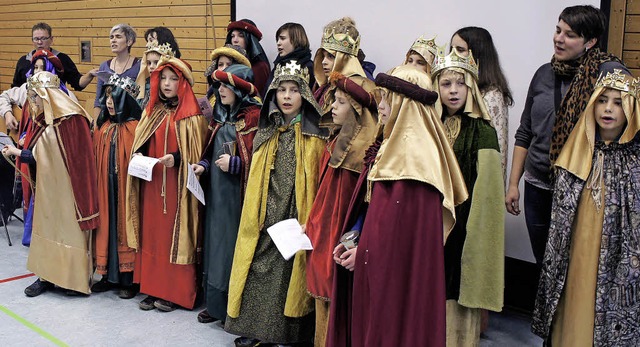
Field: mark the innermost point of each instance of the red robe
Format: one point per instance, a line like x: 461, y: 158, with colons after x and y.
x: 261, y: 73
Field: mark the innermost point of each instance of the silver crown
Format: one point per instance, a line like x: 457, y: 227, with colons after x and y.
x: 125, y: 83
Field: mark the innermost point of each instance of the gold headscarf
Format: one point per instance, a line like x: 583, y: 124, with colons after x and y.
x: 577, y: 152
x: 475, y: 106
x: 143, y: 74
x: 415, y: 147
x: 427, y: 49
x: 56, y: 103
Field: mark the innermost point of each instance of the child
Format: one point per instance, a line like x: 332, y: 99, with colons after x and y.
x: 421, y: 54
x: 150, y: 60
x: 226, y: 161
x: 245, y: 34
x: 474, y: 251
x: 221, y: 58
x: 272, y: 305
x: 588, y: 289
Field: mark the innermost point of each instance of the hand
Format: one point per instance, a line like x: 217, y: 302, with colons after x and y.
x: 10, y: 121
x: 21, y: 142
x: 512, y: 200
x: 349, y: 259
x: 10, y: 150
x: 167, y: 160
x: 337, y: 252
x: 197, y: 169
x: 304, y: 228
x: 223, y: 162
x: 93, y: 72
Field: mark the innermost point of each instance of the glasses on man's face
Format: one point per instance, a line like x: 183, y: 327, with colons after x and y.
x: 41, y: 38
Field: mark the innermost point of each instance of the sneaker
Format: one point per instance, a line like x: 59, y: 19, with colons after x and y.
x: 102, y: 286
x: 38, y: 287
x: 164, y: 305
x: 147, y: 303
x: 205, y: 317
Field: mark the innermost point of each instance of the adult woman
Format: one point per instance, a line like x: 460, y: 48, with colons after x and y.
x: 293, y: 44
x: 245, y: 33
x: 162, y: 215
x: 491, y: 81
x: 121, y: 37
x: 558, y: 92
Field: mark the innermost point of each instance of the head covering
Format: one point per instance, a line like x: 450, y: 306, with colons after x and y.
x: 252, y: 37
x: 162, y: 50
x: 51, y: 63
x: 577, y: 152
x: 337, y: 39
x: 414, y: 145
x: 358, y: 132
x: 123, y: 92
x: 474, y: 106
x: 187, y: 103
x: 238, y: 78
x: 57, y: 103
x: 237, y: 55
x: 427, y: 49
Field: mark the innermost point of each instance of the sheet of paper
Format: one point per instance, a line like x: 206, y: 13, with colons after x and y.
x: 142, y: 167
x: 193, y: 185
x: 289, y: 238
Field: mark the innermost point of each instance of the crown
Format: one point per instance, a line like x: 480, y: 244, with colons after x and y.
x: 43, y: 79
x: 125, y: 83
x: 421, y: 44
x: 163, y: 49
x: 292, y: 69
x: 340, y: 42
x: 616, y: 80
x: 454, y: 59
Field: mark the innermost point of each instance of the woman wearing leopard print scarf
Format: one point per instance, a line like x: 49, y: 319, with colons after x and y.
x: 558, y: 93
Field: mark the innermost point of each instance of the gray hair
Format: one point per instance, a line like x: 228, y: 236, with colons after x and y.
x: 128, y: 31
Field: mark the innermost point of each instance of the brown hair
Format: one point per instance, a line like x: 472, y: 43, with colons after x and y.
x: 297, y: 35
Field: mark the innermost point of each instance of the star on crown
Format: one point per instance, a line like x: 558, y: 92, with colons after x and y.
x: 43, y: 79
x: 340, y: 42
x: 293, y: 69
x: 616, y: 80
x: 454, y: 59
x: 163, y: 49
x: 125, y: 83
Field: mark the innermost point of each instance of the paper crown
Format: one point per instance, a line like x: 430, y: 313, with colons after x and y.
x: 291, y: 69
x: 617, y: 80
x: 340, y: 42
x: 421, y: 43
x: 43, y: 79
x: 163, y: 49
x: 125, y: 83
x: 454, y: 59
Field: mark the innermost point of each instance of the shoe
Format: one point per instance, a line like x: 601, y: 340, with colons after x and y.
x: 69, y: 292
x: 128, y: 292
x: 38, y: 287
x: 205, y: 317
x: 164, y: 305
x: 246, y: 342
x: 147, y: 303
x: 102, y: 286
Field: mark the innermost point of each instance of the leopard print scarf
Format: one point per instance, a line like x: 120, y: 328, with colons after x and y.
x: 585, y: 71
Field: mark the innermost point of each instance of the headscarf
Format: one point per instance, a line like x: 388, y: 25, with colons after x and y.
x: 143, y: 75
x: 51, y: 63
x: 252, y: 37
x: 237, y: 55
x: 123, y: 92
x: 238, y: 78
x: 56, y: 102
x: 187, y: 102
x: 427, y: 49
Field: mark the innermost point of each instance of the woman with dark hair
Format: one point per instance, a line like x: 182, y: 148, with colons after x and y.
x: 293, y: 44
x: 245, y: 33
x: 491, y: 81
x: 162, y: 35
x: 558, y: 93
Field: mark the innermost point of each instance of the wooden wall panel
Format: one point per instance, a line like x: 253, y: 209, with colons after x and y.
x: 198, y: 25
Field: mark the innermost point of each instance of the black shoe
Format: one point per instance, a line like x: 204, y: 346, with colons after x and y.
x: 38, y: 287
x: 102, y: 286
x: 246, y: 342
x: 205, y: 317
x: 164, y: 305
x: 70, y: 292
x: 128, y: 292
x: 147, y: 303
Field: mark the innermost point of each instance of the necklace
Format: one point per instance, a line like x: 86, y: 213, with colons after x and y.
x: 115, y: 65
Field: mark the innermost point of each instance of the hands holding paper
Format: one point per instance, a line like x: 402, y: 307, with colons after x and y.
x: 167, y: 160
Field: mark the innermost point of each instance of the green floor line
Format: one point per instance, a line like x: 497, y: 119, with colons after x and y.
x: 33, y: 327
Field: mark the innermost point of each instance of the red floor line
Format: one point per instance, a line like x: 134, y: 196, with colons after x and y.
x: 16, y: 278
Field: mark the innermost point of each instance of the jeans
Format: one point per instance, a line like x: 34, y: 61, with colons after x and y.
x: 537, y: 213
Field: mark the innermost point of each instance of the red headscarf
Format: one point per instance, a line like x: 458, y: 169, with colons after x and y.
x: 187, y: 102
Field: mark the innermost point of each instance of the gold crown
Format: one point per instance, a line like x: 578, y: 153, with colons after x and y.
x: 126, y: 83
x: 43, y: 79
x: 340, y: 42
x: 163, y: 49
x: 421, y: 44
x: 616, y: 80
x: 292, y: 70
x: 454, y: 59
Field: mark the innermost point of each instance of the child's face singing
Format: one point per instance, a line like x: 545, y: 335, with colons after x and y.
x: 289, y: 98
x: 341, y: 108
x: 327, y: 62
x: 453, y: 91
x: 610, y: 115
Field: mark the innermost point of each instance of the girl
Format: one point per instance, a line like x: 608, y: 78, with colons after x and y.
x: 150, y: 60
x: 245, y: 33
x: 421, y: 54
x: 221, y: 58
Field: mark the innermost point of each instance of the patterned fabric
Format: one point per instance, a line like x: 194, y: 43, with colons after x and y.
x: 499, y: 112
x: 618, y: 283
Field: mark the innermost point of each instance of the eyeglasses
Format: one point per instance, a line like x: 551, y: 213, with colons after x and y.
x: 42, y: 38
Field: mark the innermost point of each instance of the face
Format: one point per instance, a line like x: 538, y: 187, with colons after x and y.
x: 227, y: 96
x: 610, y: 115
x: 223, y: 62
x: 110, y: 107
x: 327, y: 62
x: 417, y: 61
x: 41, y: 39
x: 237, y: 39
x: 119, y: 41
x: 152, y: 61
x: 384, y: 109
x: 567, y: 44
x: 284, y: 43
x: 460, y: 45
x: 152, y: 37
x: 35, y: 103
x: 289, y: 98
x: 341, y: 108
x: 38, y: 66
x: 453, y: 91
x: 169, y: 83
